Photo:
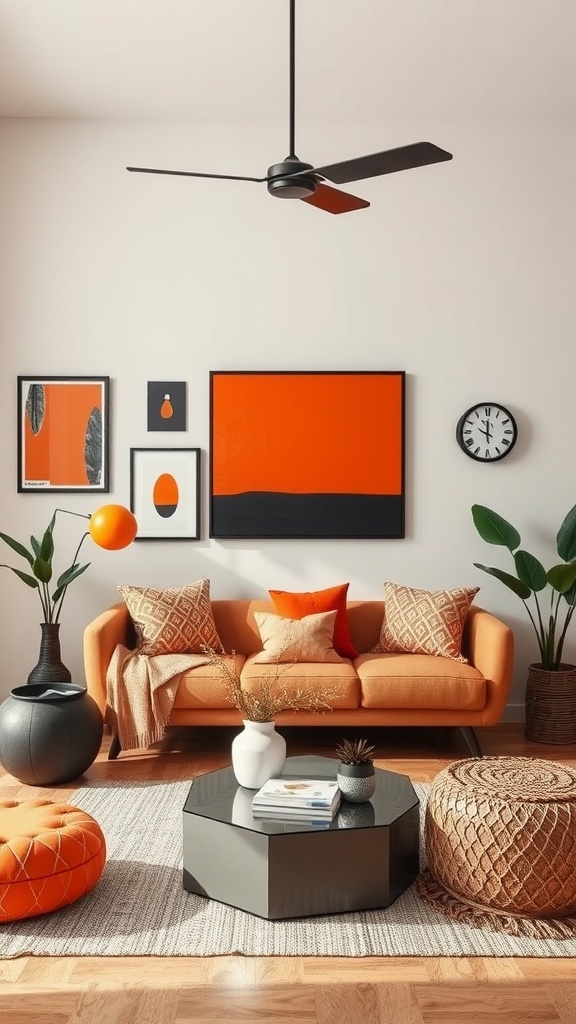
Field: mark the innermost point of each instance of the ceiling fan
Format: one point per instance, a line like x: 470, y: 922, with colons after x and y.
x: 293, y: 179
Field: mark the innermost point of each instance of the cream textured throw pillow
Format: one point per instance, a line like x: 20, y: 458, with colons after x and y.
x: 306, y: 639
x: 173, y: 621
x: 424, y: 621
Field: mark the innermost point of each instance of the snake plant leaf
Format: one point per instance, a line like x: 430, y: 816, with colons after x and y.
x: 42, y: 570
x: 18, y: 548
x: 28, y: 580
x: 494, y: 529
x: 566, y: 537
x: 517, y: 586
x: 530, y: 571
x: 71, y: 574
x: 562, y: 577
x: 47, y: 546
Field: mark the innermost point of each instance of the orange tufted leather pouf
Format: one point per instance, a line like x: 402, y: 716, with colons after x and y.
x: 50, y: 855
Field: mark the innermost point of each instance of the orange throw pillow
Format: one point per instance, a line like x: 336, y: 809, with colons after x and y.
x: 296, y: 606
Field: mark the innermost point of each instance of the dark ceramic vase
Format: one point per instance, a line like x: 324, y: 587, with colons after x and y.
x: 49, y: 733
x: 49, y: 668
x: 357, y: 782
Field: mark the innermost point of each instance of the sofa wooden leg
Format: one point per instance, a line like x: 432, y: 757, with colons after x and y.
x: 115, y: 749
x: 470, y: 739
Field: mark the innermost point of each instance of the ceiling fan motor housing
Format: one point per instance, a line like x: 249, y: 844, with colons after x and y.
x: 284, y: 187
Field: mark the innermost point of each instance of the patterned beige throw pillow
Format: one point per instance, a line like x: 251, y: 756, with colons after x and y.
x: 424, y: 621
x: 173, y: 621
x: 306, y: 639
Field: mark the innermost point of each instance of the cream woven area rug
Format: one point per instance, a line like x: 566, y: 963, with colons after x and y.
x: 139, y: 907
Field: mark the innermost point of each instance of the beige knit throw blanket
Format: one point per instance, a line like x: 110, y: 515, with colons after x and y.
x: 140, y: 693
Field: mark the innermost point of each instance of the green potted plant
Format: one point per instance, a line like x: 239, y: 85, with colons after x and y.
x: 549, y: 596
x: 111, y: 527
x: 356, y: 774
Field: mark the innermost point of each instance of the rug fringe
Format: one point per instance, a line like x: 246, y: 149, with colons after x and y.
x: 499, y: 921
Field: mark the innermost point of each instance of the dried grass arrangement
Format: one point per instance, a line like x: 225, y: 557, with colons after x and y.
x: 273, y: 696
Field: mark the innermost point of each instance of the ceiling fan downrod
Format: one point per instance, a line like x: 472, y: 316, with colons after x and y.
x: 280, y: 186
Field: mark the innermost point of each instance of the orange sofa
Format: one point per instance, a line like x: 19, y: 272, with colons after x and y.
x: 373, y: 689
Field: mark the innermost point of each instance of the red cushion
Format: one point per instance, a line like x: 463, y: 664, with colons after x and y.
x: 296, y: 606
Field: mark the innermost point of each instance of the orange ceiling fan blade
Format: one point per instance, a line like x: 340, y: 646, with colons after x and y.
x: 332, y: 200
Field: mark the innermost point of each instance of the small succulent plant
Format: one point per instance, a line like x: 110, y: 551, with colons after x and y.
x: 355, y: 752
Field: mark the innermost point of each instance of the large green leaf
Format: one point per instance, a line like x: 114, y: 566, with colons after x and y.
x: 570, y: 595
x: 562, y: 577
x: 494, y: 529
x: 42, y: 570
x: 517, y: 586
x: 35, y: 545
x: 18, y: 548
x: 47, y: 545
x: 566, y: 537
x: 28, y: 580
x: 71, y: 574
x: 530, y: 570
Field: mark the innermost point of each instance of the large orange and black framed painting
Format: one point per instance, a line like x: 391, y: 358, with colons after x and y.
x: 63, y: 433
x: 301, y: 454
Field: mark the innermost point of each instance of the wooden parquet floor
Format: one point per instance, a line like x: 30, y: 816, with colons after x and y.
x: 256, y: 990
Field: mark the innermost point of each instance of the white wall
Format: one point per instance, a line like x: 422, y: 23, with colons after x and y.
x: 461, y: 274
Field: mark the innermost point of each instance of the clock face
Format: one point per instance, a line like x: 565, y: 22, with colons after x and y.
x: 487, y: 432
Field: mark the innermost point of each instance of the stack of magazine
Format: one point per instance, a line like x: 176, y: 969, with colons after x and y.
x: 297, y: 799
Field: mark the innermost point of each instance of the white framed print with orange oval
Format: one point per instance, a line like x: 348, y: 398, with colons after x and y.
x: 165, y: 493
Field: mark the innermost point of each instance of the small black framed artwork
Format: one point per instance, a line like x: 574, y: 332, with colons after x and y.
x: 63, y: 433
x: 165, y: 493
x: 166, y: 408
x: 307, y: 454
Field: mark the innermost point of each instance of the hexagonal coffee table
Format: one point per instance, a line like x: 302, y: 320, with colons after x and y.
x: 363, y: 858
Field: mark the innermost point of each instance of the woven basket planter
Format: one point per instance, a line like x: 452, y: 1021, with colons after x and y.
x: 551, y: 705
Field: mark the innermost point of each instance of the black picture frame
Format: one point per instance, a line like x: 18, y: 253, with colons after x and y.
x: 307, y: 454
x: 63, y: 433
x: 166, y: 405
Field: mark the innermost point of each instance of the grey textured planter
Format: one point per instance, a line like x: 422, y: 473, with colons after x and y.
x: 357, y: 782
x: 49, y: 733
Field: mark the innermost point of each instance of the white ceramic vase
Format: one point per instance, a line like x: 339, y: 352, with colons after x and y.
x: 258, y: 754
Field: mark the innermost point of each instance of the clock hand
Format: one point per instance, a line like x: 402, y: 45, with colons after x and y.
x: 487, y: 432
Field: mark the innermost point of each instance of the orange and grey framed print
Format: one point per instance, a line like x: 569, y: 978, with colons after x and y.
x: 63, y: 433
x: 302, y: 454
x: 166, y: 409
x: 165, y: 493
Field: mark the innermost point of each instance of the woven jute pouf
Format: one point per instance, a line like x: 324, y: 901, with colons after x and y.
x: 500, y: 839
x: 50, y: 855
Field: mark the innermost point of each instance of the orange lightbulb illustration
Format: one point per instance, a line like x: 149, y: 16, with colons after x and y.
x: 166, y: 410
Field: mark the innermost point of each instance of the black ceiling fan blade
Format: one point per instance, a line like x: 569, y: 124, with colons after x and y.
x: 419, y: 154
x: 332, y: 200
x: 193, y: 174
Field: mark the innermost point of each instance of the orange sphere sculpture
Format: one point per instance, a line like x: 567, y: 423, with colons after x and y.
x: 112, y: 527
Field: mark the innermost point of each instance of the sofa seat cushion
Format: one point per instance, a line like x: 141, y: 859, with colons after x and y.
x: 204, y: 687
x: 419, y: 681
x: 339, y: 676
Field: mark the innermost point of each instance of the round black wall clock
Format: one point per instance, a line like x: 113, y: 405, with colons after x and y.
x: 487, y: 432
